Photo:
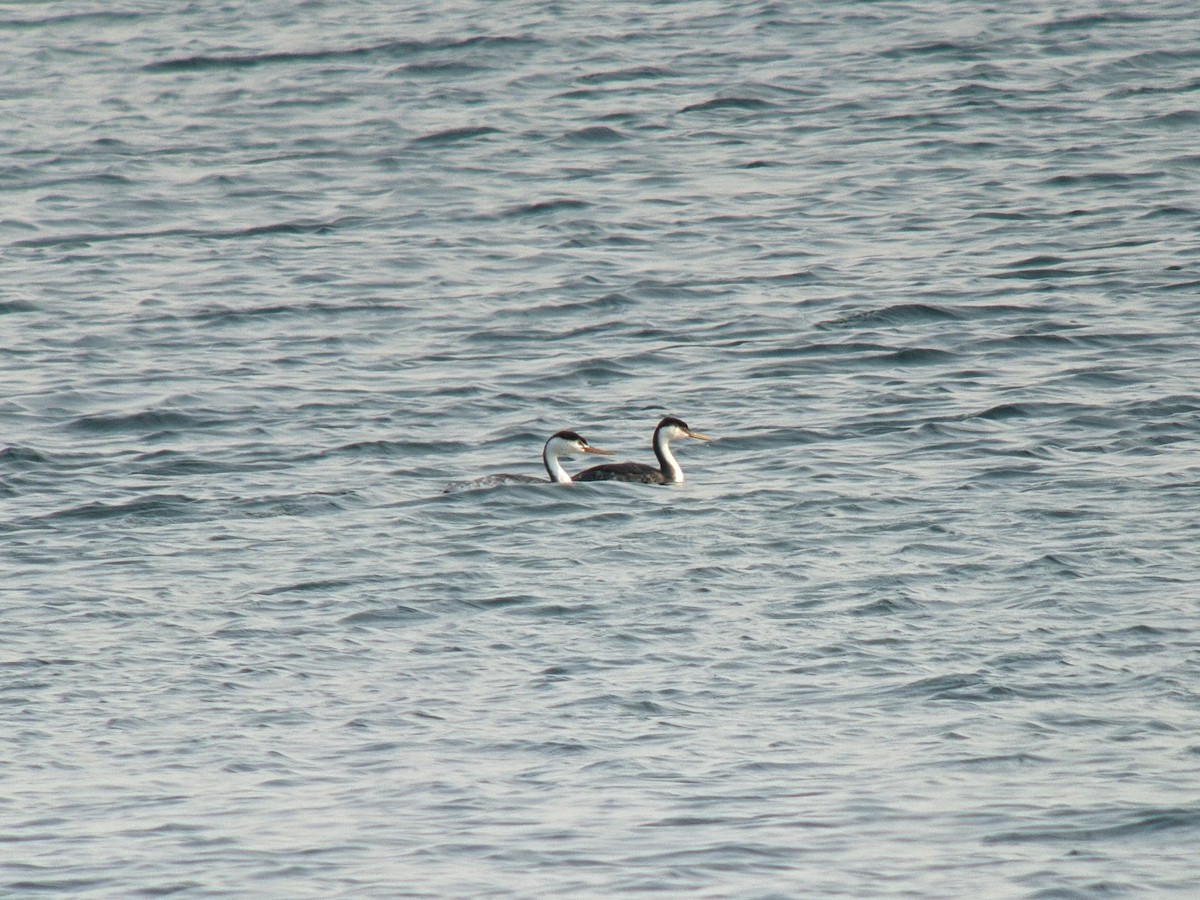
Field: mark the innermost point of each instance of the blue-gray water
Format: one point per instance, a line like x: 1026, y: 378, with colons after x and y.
x: 924, y: 621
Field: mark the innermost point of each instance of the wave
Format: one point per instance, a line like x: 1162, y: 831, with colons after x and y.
x: 916, y: 356
x: 636, y: 73
x: 22, y: 456
x: 140, y: 422
x: 545, y: 207
x: 596, y: 134
x: 455, y: 135
x: 719, y: 103
x: 273, y: 228
x: 152, y: 506
x: 1148, y: 822
x: 100, y: 17
x: 387, y: 49
x: 899, y: 314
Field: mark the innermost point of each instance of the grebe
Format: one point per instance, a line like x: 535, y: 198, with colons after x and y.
x: 668, y: 471
x: 561, y: 443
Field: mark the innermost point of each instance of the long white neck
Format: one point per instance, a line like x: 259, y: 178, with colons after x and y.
x: 554, y: 468
x: 666, y: 461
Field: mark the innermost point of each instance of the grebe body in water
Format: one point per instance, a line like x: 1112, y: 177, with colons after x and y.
x: 668, y: 471
x: 560, y: 444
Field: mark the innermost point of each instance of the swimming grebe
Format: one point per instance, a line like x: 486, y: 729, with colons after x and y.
x: 560, y: 444
x: 668, y: 471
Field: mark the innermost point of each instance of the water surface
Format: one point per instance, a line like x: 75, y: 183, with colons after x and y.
x: 922, y: 622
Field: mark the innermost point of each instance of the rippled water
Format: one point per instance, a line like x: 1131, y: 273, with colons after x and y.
x: 923, y: 621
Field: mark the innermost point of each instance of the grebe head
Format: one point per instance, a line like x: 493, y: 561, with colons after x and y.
x: 568, y: 443
x: 671, y: 428
x: 565, y: 443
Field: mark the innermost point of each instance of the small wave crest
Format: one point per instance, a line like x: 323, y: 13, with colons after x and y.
x: 151, y: 420
x: 387, y: 50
